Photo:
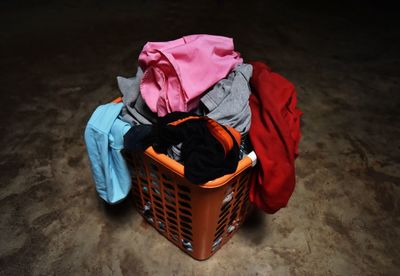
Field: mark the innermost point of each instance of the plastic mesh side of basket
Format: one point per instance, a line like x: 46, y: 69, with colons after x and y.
x: 161, y: 201
x: 197, y: 220
x: 233, y: 211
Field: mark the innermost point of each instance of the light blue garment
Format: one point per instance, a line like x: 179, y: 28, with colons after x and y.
x: 104, y: 137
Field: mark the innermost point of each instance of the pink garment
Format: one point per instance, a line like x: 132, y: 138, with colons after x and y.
x: 177, y: 72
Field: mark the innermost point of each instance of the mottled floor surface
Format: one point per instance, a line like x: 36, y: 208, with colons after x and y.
x: 59, y: 61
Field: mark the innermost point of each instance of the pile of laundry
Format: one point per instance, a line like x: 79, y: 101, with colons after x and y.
x: 195, y: 100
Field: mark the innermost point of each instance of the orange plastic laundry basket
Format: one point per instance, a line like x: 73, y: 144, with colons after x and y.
x: 198, y: 219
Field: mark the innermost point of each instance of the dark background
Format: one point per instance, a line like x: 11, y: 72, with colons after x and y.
x: 59, y: 60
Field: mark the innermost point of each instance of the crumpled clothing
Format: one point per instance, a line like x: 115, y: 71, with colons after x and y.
x: 135, y: 111
x: 228, y: 101
x: 209, y: 150
x: 275, y: 135
x: 104, y: 137
x: 177, y: 72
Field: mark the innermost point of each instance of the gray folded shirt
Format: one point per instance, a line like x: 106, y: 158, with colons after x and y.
x: 228, y: 101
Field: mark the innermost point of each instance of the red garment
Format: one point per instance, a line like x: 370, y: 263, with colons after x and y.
x: 275, y: 135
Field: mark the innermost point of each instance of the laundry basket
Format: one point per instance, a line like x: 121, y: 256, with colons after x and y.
x: 198, y: 219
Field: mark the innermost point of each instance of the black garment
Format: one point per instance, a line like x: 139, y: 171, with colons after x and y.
x: 203, y: 155
x: 139, y: 138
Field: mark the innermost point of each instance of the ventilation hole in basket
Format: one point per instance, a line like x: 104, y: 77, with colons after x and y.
x: 166, y: 177
x: 216, y: 244
x: 142, y: 180
x: 185, y: 204
x: 237, y: 203
x: 156, y: 183
x: 173, y: 227
x: 235, y: 211
x: 145, y: 189
x: 170, y: 207
x: 244, y: 179
x: 223, y: 218
x: 225, y: 208
x: 187, y: 232
x: 156, y: 197
x: 171, y: 215
x: 222, y: 225
x: 244, y: 183
x: 184, y: 196
x: 240, y: 192
x: 185, y: 218
x: 159, y: 217
x: 154, y: 178
x: 236, y: 207
x: 184, y: 224
x: 184, y: 188
x: 186, y: 237
x: 220, y: 232
x: 242, y: 186
x: 158, y: 204
x: 233, y: 217
x: 159, y: 212
x: 170, y: 200
x: 186, y: 212
x: 169, y: 193
x: 169, y: 186
x: 172, y: 221
x: 187, y: 245
x: 155, y: 190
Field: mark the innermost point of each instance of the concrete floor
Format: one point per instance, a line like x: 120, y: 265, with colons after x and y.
x: 58, y: 61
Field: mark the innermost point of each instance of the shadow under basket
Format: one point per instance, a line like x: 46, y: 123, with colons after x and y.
x: 198, y: 219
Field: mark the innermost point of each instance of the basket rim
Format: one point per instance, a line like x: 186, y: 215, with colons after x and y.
x: 178, y: 168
